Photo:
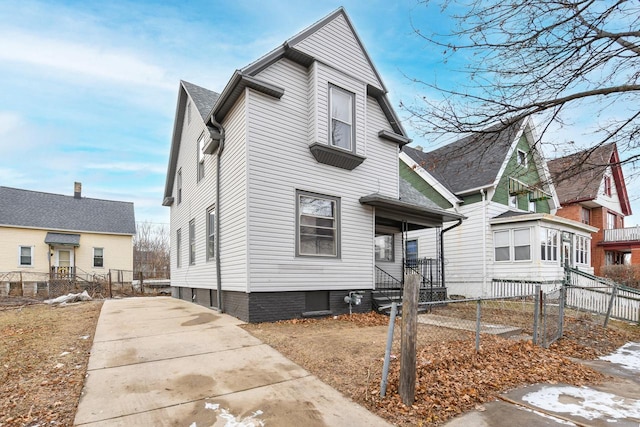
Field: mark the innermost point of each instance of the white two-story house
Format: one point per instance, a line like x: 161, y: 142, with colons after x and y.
x: 284, y: 188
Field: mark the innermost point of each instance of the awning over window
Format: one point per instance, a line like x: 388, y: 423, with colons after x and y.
x: 62, y: 239
x: 519, y: 187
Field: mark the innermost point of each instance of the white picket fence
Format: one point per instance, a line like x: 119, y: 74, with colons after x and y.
x: 597, y: 295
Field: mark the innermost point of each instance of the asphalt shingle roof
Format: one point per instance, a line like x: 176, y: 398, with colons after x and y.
x: 57, y: 212
x: 204, y: 99
x: 578, y: 176
x: 470, y: 162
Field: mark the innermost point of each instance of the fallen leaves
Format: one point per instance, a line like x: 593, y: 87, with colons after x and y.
x: 44, y: 362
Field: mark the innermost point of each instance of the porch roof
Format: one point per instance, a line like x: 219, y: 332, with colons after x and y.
x: 417, y: 216
x: 63, y: 239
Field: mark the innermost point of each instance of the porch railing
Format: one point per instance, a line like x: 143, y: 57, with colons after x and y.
x: 622, y: 234
x: 62, y: 273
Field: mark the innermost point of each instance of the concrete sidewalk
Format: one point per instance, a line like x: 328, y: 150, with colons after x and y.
x: 166, y: 362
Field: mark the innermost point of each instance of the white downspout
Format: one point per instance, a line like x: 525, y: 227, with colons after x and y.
x: 484, y: 240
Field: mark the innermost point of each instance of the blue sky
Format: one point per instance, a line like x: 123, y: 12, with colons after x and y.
x: 89, y: 89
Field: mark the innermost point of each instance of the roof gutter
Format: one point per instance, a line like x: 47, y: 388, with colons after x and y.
x: 218, y: 273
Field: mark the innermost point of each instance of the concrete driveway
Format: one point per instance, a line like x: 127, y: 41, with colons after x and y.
x: 166, y: 362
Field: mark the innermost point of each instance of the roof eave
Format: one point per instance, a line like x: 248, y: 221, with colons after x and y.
x: 378, y: 200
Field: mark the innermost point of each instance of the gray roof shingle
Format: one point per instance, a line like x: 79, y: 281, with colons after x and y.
x: 470, y: 162
x: 26, y: 208
x: 204, y: 99
x: 577, y: 177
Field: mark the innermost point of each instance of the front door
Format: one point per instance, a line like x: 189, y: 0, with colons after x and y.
x: 64, y: 262
x: 566, y: 254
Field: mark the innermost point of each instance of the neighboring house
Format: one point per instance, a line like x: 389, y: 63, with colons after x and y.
x: 501, y: 183
x: 46, y: 236
x: 284, y: 188
x: 592, y: 190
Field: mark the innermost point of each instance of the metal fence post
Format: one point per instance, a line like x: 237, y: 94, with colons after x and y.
x: 563, y: 295
x: 387, y: 353
x: 478, y: 315
x: 536, y: 313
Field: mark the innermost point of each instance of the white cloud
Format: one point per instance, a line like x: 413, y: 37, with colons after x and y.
x: 93, y: 61
x: 9, y: 122
x: 128, y: 167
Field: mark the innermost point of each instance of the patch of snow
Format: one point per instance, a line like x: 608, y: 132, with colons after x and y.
x: 543, y: 415
x: 593, y: 404
x: 59, y: 365
x: 64, y: 353
x: 193, y: 424
x: 85, y: 337
x: 628, y: 356
x: 233, y: 421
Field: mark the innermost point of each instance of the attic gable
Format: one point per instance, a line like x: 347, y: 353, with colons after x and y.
x: 579, y: 176
x: 334, y: 41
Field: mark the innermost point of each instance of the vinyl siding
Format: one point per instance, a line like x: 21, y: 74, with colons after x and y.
x: 118, y: 251
x: 610, y: 202
x: 335, y: 45
x: 280, y: 163
x: 421, y: 185
x: 529, y: 175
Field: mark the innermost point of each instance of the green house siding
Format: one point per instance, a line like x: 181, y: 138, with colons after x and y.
x: 472, y: 198
x: 422, y: 186
x: 528, y: 175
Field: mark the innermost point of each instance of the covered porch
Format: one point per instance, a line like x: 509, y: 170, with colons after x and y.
x: 62, y: 255
x: 396, y: 255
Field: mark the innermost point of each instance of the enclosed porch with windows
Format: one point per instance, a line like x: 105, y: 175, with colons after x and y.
x: 397, y: 256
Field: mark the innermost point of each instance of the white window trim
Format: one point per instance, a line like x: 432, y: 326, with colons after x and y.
x: 178, y: 248
x: 192, y: 242
x: 31, y: 256
x: 512, y: 246
x: 513, y: 201
x: 211, y: 232
x: 179, y: 186
x: 94, y: 258
x: 386, y: 236
x: 532, y: 203
x: 524, y: 157
x: 543, y: 244
x: 200, y: 159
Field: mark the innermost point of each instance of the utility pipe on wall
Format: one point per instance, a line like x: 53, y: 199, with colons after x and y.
x: 218, y: 272
x: 484, y: 238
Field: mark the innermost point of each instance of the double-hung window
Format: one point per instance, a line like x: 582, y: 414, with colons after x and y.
x: 25, y: 255
x: 201, y: 157
x: 607, y: 185
x: 317, y: 225
x: 341, y: 118
x: 384, y: 247
x: 98, y: 257
x: 522, y: 158
x: 512, y: 245
x: 501, y: 245
x: 548, y: 244
x: 211, y: 233
x: 583, y: 249
x: 532, y: 203
x: 192, y: 242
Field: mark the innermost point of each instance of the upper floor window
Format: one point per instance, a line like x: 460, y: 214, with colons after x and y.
x: 548, y: 244
x: 384, y: 247
x: 341, y: 118
x: 532, y: 203
x: 98, y: 257
x: 192, y: 242
x: 189, y: 112
x: 25, y: 255
x: 178, y: 248
x: 318, y: 225
x: 513, y: 201
x: 522, y: 158
x: 211, y: 233
x: 200, y: 157
x: 611, y: 221
x: 585, y: 215
x: 607, y: 185
x: 179, y: 185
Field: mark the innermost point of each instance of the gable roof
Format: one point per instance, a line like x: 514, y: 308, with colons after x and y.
x: 293, y: 50
x: 34, y: 209
x: 472, y: 162
x: 203, y: 99
x: 578, y: 176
